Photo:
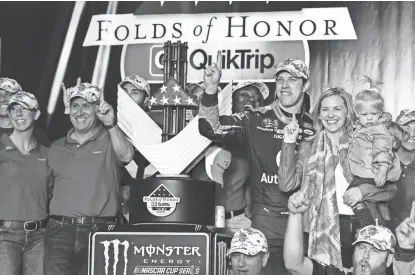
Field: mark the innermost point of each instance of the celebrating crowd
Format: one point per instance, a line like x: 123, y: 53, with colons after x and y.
x: 323, y: 193
x: 344, y: 165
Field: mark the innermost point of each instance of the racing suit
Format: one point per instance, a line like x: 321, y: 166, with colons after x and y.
x: 260, y: 132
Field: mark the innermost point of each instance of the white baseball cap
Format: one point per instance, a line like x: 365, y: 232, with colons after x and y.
x: 217, y: 160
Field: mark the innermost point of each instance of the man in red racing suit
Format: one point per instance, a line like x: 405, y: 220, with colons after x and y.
x: 260, y: 132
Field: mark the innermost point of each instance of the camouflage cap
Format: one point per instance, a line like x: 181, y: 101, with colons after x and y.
x: 263, y: 89
x: 87, y: 91
x: 139, y: 82
x: 25, y: 99
x: 405, y: 117
x: 296, y: 67
x: 9, y: 85
x: 378, y: 236
x: 248, y: 241
x: 217, y: 160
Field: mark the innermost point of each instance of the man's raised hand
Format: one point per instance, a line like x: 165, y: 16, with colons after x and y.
x: 212, y: 75
x: 291, y: 130
x: 298, y: 202
x: 405, y: 234
x: 67, y: 94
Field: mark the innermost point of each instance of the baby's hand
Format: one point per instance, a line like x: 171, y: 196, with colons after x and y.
x: 380, y: 177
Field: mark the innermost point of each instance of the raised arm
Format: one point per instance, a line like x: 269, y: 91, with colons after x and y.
x: 122, y: 147
x: 227, y: 129
x: 376, y: 194
x: 294, y: 258
x: 404, y: 261
x: 292, y: 163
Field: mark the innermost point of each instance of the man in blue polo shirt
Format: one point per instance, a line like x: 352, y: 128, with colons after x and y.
x: 85, y: 169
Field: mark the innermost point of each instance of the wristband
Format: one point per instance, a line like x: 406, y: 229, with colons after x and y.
x: 111, y: 126
x: 288, y: 140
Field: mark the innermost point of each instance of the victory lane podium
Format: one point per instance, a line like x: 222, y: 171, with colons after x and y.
x: 170, y: 232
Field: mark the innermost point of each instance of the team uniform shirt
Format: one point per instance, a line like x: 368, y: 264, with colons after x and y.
x: 261, y: 133
x: 23, y: 185
x: 86, y: 177
x: 38, y: 133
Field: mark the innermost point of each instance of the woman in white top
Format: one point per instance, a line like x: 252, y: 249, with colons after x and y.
x: 323, y: 171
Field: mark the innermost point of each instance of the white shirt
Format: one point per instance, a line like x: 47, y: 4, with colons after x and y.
x: 341, y: 187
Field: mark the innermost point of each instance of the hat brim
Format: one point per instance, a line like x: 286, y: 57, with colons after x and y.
x: 262, y: 88
x: 405, y: 122
x: 374, y: 244
x: 21, y: 103
x: 213, y: 157
x: 135, y: 85
x: 290, y: 71
x: 9, y: 91
x: 83, y: 97
x: 216, y: 174
x: 240, y: 250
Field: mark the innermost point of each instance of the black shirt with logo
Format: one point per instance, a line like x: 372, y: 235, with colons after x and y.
x: 261, y: 135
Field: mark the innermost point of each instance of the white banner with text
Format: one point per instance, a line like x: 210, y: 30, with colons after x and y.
x: 307, y: 24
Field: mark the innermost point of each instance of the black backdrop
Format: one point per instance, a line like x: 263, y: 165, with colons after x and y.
x: 33, y: 34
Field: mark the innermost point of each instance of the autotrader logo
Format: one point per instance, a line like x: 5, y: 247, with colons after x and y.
x: 116, y: 244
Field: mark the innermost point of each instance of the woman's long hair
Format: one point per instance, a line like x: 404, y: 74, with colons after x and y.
x: 351, y: 117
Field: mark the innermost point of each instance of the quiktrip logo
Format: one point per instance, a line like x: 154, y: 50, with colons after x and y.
x: 116, y: 244
x: 232, y: 59
x: 243, y: 61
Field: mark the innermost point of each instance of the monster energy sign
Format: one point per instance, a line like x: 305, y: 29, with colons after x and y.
x: 136, y: 253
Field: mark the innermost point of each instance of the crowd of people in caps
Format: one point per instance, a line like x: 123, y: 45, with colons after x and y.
x: 327, y: 192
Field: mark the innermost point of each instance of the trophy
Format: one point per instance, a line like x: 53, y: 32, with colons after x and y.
x: 174, y: 223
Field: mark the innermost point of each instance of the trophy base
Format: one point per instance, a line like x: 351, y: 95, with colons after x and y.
x: 173, y: 199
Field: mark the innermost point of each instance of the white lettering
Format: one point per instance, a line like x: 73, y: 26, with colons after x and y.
x: 265, y: 129
x: 150, y: 250
x: 270, y: 179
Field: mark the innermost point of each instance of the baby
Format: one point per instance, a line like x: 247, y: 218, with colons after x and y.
x: 371, y: 155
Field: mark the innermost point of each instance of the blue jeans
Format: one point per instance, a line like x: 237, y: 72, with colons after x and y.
x: 21, y: 252
x: 66, y: 248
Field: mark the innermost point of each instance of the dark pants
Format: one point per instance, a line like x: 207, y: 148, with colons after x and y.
x: 21, y: 252
x: 273, y: 224
x: 367, y: 212
x: 66, y: 248
x: 348, y: 228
